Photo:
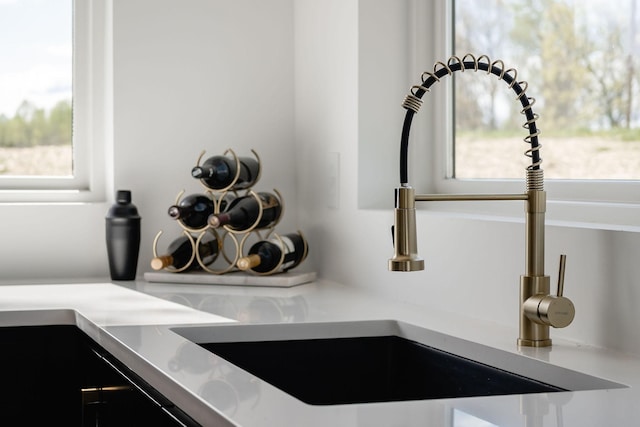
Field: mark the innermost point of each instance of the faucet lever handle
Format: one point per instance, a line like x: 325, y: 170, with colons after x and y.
x: 563, y: 262
x: 557, y: 311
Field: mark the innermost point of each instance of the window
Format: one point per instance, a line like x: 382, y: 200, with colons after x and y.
x: 579, y: 58
x: 35, y: 107
x: 581, y: 62
x: 54, y: 108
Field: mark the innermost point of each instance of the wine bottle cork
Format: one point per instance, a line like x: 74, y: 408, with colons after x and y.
x: 245, y: 263
x: 161, y: 262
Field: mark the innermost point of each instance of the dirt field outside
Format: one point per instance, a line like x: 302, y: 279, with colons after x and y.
x: 36, y: 161
x: 563, y: 158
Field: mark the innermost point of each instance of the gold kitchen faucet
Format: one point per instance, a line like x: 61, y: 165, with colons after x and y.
x: 538, y: 308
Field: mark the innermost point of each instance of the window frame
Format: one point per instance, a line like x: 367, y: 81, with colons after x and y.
x: 599, y: 204
x: 92, y: 116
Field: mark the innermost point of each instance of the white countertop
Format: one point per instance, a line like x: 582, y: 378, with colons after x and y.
x: 133, y: 321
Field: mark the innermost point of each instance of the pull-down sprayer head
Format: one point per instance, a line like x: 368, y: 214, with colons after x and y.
x: 405, y: 240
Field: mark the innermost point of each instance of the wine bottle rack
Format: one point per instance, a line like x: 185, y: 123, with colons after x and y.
x: 231, y: 243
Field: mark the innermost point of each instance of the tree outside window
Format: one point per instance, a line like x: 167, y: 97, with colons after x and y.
x: 580, y: 59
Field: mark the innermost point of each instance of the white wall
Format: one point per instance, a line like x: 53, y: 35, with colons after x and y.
x: 201, y: 75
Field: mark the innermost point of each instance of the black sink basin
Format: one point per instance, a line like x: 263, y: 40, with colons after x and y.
x: 369, y: 369
x: 380, y: 361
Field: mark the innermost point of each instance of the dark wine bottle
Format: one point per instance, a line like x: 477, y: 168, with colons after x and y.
x: 276, y: 254
x: 180, y: 254
x: 208, y: 248
x: 244, y: 212
x: 224, y: 201
x: 219, y: 173
x: 192, y: 211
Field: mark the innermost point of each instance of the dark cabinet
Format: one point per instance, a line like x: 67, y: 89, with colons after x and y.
x: 57, y: 375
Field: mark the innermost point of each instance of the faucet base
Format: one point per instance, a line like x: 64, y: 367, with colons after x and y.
x: 532, y: 332
x: 533, y: 343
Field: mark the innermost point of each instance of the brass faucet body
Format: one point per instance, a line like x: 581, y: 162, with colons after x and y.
x: 534, y: 281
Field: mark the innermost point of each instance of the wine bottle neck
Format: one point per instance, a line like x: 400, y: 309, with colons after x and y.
x: 219, y: 220
x: 198, y: 172
x: 174, y: 212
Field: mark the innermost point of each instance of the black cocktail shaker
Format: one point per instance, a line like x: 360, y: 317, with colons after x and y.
x: 123, y: 237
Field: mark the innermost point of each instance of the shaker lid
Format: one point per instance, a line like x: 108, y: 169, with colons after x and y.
x: 123, y: 208
x: 123, y: 197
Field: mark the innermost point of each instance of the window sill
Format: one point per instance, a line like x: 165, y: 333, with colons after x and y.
x: 588, y: 215
x: 51, y: 196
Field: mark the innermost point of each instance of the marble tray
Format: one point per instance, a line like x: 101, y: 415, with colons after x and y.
x: 236, y: 278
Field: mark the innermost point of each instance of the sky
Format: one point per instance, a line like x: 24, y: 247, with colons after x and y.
x: 35, y: 53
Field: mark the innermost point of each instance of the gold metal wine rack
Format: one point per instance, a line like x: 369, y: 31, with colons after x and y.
x: 231, y: 243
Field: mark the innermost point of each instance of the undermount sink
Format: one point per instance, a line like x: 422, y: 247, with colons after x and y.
x: 380, y: 361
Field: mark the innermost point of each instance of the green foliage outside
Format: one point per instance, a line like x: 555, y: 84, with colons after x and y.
x: 32, y: 126
x: 581, y: 64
